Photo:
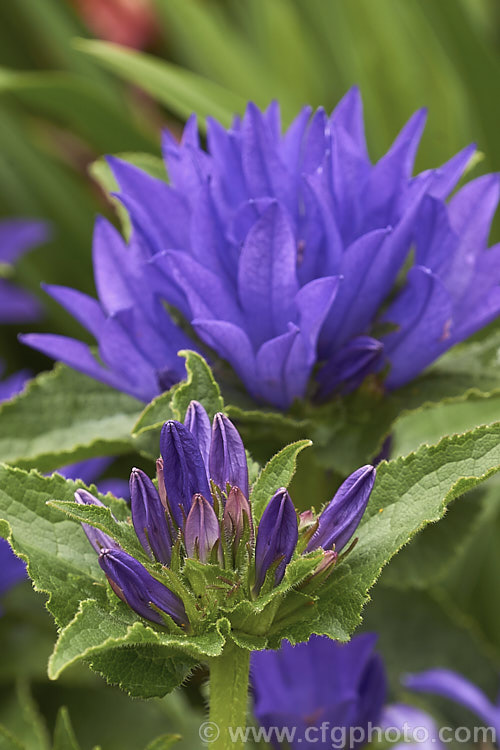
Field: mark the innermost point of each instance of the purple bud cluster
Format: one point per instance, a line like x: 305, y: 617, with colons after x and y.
x: 201, y: 510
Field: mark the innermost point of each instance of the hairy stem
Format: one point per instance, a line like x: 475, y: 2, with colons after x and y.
x: 228, y: 698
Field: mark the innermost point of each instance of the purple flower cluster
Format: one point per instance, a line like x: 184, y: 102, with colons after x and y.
x: 326, y: 692
x: 290, y: 255
x: 201, y: 510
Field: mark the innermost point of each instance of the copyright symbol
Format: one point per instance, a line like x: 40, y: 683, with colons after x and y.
x: 209, y: 731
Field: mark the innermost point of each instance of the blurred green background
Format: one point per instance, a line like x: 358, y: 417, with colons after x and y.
x: 68, y: 95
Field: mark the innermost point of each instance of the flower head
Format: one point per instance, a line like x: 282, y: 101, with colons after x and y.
x: 282, y: 251
x: 319, y: 681
x: 199, y: 517
x: 324, y: 692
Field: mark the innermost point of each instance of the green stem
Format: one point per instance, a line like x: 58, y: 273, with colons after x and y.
x: 228, y: 696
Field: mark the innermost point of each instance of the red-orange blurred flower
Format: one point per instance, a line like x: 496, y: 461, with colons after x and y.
x: 127, y: 22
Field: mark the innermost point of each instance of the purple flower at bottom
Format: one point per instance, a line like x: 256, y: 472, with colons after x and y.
x: 291, y: 255
x: 455, y: 687
x: 319, y: 681
x: 331, y: 694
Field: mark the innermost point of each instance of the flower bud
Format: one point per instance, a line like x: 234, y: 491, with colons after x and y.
x: 97, y: 538
x: 228, y: 461
x: 161, y: 483
x: 321, y: 572
x: 306, y: 520
x: 341, y: 517
x: 148, y: 517
x: 198, y: 423
x: 237, y: 515
x: 184, y: 473
x: 201, y: 531
x: 131, y: 582
x: 277, y: 537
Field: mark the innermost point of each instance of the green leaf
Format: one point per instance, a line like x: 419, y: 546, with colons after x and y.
x: 427, y: 425
x: 350, y: 431
x: 61, y: 562
x: 21, y: 724
x: 145, y: 719
x: 427, y: 561
x: 64, y: 736
x: 200, y: 385
x: 102, y: 518
x: 179, y: 90
x: 63, y: 417
x: 278, y: 472
x: 157, y: 664
x: 222, y: 51
x: 409, y: 493
x: 97, y: 627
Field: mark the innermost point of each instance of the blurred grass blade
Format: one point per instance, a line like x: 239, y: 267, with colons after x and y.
x: 207, y: 40
x: 79, y: 104
x: 179, y: 90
